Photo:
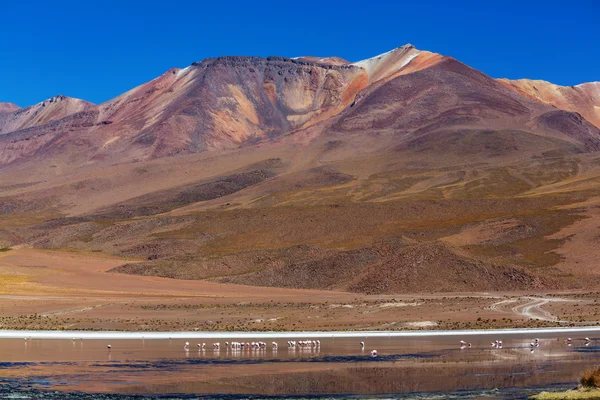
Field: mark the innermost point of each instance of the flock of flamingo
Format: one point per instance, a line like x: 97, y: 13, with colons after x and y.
x: 316, y: 344
x: 497, y: 344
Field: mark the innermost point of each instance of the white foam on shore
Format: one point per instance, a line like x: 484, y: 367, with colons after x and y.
x: 16, y: 334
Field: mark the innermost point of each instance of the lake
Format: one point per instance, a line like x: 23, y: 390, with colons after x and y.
x: 429, y: 366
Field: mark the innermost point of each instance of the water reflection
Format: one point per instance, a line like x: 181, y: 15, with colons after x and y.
x: 333, y: 366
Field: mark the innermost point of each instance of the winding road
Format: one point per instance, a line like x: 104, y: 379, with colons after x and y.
x: 529, y: 307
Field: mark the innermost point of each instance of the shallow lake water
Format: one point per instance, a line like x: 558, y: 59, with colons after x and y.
x: 413, y: 367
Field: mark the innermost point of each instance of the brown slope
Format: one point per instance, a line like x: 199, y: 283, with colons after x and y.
x: 42, y: 113
x: 36, y: 142
x: 390, y: 267
x: 573, y: 124
x: 446, y: 92
x: 453, y: 98
x: 584, y: 98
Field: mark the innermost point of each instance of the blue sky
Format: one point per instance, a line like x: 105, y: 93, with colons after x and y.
x: 96, y: 50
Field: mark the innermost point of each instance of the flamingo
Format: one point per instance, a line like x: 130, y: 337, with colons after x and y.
x: 568, y: 341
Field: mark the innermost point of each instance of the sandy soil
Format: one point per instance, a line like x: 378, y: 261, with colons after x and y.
x: 44, y: 289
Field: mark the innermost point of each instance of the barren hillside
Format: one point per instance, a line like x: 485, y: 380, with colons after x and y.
x: 405, y: 172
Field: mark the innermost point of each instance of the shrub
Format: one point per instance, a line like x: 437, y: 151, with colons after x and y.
x: 591, y: 378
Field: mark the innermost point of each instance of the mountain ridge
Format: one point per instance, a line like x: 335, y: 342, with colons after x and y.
x: 209, y: 105
x: 49, y: 110
x: 317, y: 173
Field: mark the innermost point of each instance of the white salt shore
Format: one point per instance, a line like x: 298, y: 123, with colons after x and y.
x: 18, y: 334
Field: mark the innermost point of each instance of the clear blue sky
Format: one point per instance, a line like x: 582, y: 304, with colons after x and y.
x: 96, y: 50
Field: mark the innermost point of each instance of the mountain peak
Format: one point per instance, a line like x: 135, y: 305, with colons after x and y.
x: 49, y: 110
x: 396, y: 62
x: 6, y: 107
x: 62, y: 98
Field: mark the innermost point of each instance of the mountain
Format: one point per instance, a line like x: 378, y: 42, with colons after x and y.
x: 8, y: 107
x: 431, y: 110
x: 227, y: 102
x: 215, y: 104
x: 584, y: 98
x: 317, y: 172
x: 53, y: 109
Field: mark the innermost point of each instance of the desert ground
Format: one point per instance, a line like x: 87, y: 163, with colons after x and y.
x: 50, y: 289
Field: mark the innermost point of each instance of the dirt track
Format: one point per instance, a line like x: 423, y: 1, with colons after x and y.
x: 529, y: 307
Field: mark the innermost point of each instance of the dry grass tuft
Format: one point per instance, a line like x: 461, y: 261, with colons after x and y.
x: 591, y: 378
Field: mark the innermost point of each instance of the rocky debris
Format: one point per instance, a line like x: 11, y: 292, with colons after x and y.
x: 7, y: 208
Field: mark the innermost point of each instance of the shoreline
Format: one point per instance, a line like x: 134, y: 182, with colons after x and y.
x: 41, y: 334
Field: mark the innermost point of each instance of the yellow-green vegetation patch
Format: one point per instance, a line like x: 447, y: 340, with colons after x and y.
x: 386, y: 185
x: 549, y: 171
x: 494, y: 183
x: 589, y: 389
x: 18, y: 220
x: 569, y: 394
x: 11, y: 281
